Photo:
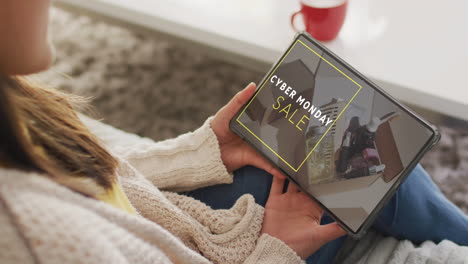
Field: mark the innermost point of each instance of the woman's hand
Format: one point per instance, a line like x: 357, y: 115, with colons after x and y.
x: 295, y: 219
x: 292, y: 217
x: 235, y: 152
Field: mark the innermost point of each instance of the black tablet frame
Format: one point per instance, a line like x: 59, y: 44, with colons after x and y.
x: 403, y: 175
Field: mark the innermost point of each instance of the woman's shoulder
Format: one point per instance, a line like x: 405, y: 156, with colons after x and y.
x: 25, y: 193
x: 45, y: 220
x: 14, y: 248
x: 35, y: 199
x: 31, y: 215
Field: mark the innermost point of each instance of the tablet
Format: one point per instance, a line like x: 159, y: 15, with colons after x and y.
x: 339, y: 137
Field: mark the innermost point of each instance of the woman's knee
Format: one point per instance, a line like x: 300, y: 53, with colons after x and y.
x: 406, y: 200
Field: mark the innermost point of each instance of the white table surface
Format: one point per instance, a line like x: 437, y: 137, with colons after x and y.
x: 416, y: 50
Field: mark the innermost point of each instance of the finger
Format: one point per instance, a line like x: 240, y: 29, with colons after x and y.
x: 314, y: 206
x: 225, y: 114
x: 277, y: 173
x: 292, y: 188
x: 329, y: 232
x: 240, y: 99
x: 257, y: 160
x: 276, y: 186
x: 318, y: 209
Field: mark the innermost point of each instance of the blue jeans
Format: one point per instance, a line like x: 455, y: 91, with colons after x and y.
x: 418, y: 211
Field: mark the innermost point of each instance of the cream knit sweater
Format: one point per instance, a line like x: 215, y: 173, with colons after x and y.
x: 44, y: 222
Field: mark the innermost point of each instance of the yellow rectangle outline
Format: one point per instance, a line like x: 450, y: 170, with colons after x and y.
x: 320, y: 140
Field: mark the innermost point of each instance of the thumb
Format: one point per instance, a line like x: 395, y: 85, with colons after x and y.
x: 240, y: 98
x: 329, y: 232
x: 224, y: 115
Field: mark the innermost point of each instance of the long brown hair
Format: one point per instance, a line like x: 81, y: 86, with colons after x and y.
x: 40, y: 131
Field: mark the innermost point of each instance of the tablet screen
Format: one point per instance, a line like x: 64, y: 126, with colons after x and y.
x: 341, y: 140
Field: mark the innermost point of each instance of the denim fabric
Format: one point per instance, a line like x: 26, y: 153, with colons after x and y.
x: 418, y: 211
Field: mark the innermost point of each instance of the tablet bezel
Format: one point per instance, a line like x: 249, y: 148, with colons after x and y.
x: 403, y: 175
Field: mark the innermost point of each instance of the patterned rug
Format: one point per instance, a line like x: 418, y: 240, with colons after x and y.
x: 157, y: 89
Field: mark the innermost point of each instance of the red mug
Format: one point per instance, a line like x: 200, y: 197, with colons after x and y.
x: 323, y: 19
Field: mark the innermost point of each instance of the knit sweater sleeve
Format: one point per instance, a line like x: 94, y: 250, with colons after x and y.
x: 189, y: 161
x: 229, y: 235
x: 272, y: 250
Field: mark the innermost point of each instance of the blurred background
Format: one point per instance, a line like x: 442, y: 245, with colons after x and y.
x: 159, y: 85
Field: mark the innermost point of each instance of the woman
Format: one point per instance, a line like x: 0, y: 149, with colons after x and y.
x: 76, y: 190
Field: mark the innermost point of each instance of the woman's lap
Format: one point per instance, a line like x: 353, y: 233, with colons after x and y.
x: 418, y: 211
x: 246, y: 180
